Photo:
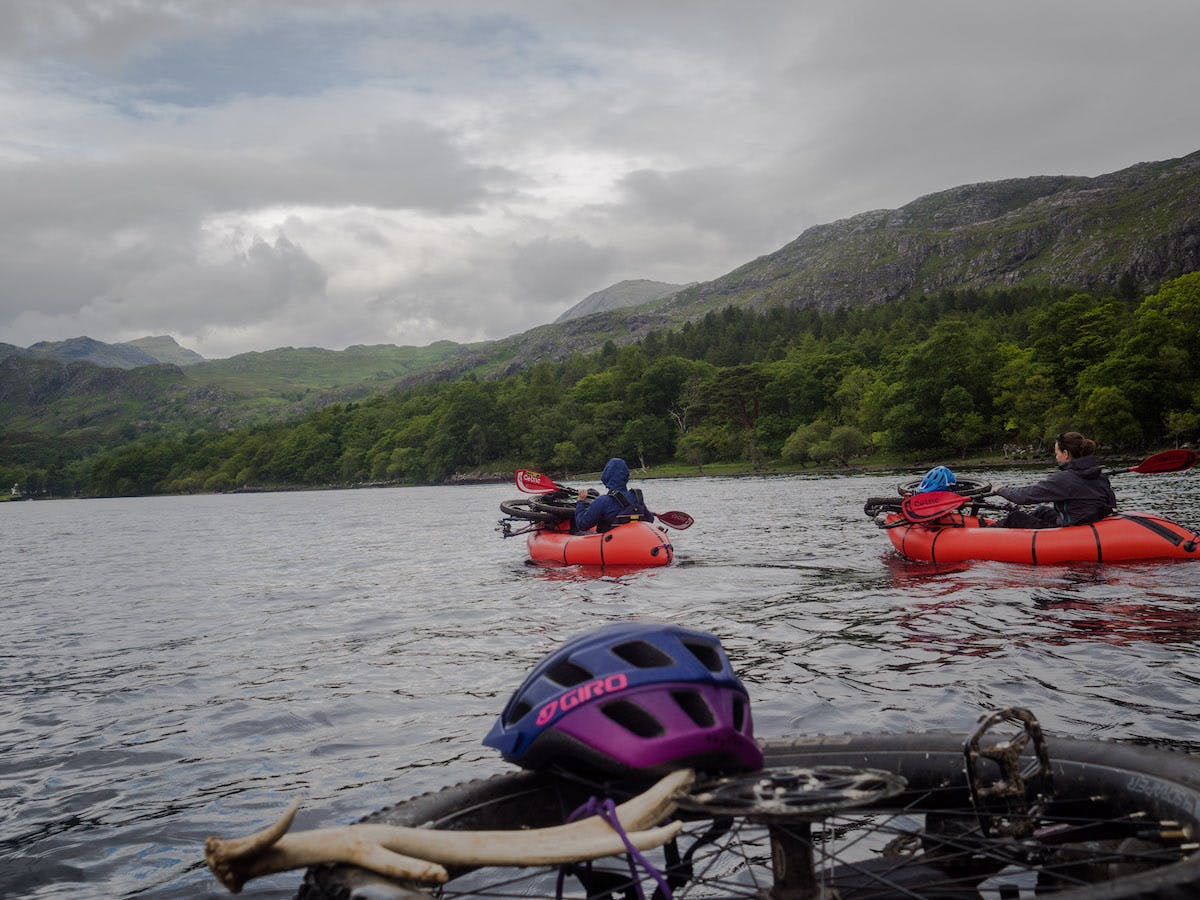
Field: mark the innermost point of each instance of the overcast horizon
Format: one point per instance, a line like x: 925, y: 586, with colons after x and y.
x: 267, y: 173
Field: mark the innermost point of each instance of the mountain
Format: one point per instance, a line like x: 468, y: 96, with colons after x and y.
x: 86, y: 349
x: 164, y: 349
x: 1133, y: 228
x: 83, y: 389
x: 54, y: 410
x: 1139, y: 226
x: 7, y: 350
x: 145, y: 351
x: 1141, y: 223
x: 290, y: 380
x: 619, y: 295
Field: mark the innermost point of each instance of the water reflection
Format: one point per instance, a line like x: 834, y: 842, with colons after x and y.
x: 1158, y: 621
x: 627, y: 574
x: 1065, y: 604
x: 906, y: 573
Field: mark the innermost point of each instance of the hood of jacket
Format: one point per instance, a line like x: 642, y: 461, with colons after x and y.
x: 615, y: 476
x: 1084, y: 467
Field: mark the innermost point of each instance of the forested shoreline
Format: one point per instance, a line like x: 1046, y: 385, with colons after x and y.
x: 933, y: 375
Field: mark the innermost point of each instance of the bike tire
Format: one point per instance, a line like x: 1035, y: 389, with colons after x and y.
x: 1109, y: 782
x: 875, y: 505
x: 563, y: 507
x: 967, y: 487
x: 524, y: 509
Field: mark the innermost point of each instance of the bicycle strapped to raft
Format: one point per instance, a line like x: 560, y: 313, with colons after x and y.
x: 852, y: 816
x: 1007, y: 812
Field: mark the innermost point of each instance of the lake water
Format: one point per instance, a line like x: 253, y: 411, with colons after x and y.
x: 177, y: 667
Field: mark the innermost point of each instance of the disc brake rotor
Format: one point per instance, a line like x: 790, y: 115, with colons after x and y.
x: 783, y: 793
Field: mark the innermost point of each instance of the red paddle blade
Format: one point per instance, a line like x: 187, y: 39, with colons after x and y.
x: 929, y: 506
x: 531, y: 482
x: 1167, y: 461
x: 675, y: 519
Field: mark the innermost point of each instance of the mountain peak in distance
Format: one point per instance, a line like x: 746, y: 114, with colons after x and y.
x: 624, y: 293
x: 165, y: 349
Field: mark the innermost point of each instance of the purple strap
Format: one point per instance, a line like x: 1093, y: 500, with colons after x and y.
x: 607, y: 811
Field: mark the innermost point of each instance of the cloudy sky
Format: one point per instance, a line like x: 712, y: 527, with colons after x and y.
x: 251, y: 174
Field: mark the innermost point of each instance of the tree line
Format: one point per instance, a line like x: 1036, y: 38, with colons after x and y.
x: 937, y: 375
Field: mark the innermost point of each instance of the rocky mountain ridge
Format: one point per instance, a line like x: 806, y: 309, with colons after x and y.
x: 145, y: 351
x: 1142, y: 223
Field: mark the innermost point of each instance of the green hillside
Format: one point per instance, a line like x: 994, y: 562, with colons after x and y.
x: 289, y: 380
x: 53, y: 409
x: 1112, y: 239
x: 933, y: 377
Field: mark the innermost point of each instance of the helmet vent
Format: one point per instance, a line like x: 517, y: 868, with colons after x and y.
x: 632, y: 718
x: 517, y: 713
x: 695, y: 707
x: 642, y: 655
x: 568, y: 674
x: 708, y: 655
x: 739, y: 713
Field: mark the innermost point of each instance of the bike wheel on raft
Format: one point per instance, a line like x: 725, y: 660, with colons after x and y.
x: 559, y: 504
x: 526, y: 509
x: 967, y: 487
x: 1122, y: 822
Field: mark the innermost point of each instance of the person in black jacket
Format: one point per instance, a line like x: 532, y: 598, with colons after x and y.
x: 1078, y: 492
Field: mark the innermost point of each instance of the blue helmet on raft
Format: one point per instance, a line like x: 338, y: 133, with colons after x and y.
x: 936, y: 479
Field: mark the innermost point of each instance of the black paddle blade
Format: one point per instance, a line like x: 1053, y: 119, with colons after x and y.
x: 1167, y: 461
x: 932, y: 505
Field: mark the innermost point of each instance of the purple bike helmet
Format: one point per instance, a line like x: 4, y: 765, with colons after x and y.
x: 631, y: 698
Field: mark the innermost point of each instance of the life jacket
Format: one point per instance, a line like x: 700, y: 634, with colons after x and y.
x: 632, y: 509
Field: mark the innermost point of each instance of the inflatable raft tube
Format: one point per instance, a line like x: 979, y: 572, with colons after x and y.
x: 1118, y: 538
x: 630, y: 544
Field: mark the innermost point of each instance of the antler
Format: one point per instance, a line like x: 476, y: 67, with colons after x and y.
x: 420, y: 854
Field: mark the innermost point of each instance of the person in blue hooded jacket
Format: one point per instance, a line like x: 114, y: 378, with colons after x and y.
x: 604, y: 511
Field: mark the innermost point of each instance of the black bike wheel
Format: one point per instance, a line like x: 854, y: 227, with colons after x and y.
x: 1123, y: 823
x: 524, y: 509
x: 964, y: 486
x: 558, y: 504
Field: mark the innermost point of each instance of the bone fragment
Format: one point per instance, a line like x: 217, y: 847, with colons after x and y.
x: 417, y: 853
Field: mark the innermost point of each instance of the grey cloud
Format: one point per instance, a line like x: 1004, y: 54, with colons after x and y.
x: 454, y: 171
x: 553, y: 271
x: 740, y: 206
x: 400, y: 165
x: 75, y: 231
x: 251, y: 287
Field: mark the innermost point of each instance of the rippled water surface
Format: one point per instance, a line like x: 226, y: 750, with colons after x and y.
x: 178, y: 667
